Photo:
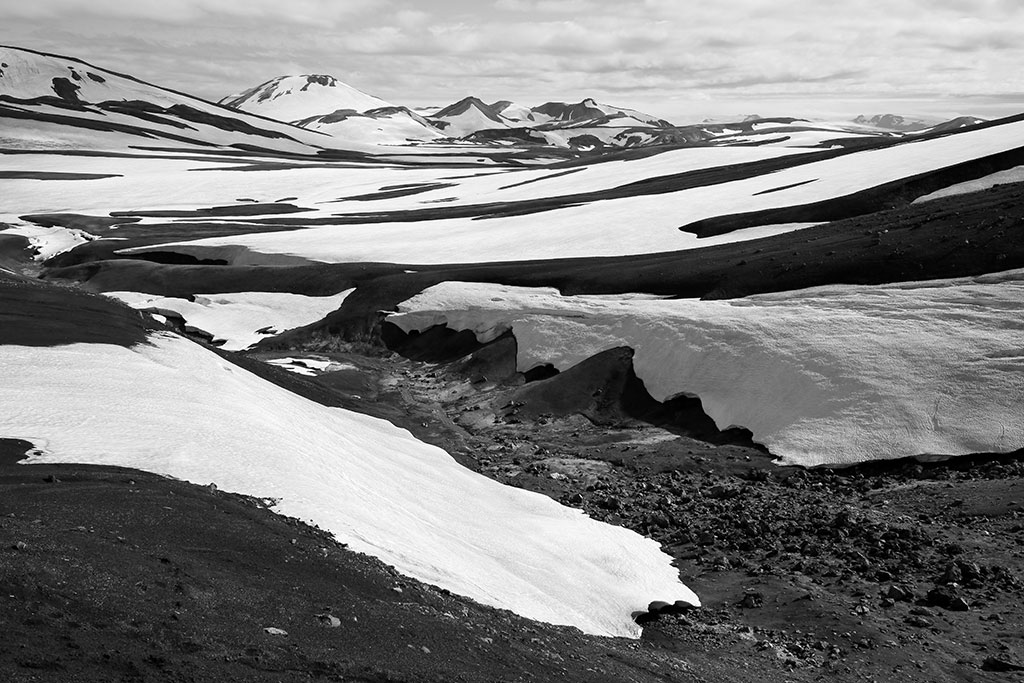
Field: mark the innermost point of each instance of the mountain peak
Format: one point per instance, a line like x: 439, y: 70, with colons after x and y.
x: 292, y: 98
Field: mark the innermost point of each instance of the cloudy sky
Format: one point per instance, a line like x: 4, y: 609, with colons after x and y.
x: 680, y: 59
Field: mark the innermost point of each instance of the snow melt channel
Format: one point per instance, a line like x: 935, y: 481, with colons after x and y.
x: 174, y: 408
x: 829, y: 375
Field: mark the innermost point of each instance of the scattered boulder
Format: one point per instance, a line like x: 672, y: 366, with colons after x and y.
x: 948, y: 598
x: 899, y: 593
x: 1000, y: 664
x: 328, y: 620
x: 274, y: 631
x: 752, y: 600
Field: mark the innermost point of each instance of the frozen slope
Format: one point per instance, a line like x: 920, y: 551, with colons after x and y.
x: 240, y: 319
x: 291, y: 98
x: 829, y: 375
x: 630, y: 224
x: 174, y: 408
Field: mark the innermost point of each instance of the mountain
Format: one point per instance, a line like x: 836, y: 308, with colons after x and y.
x: 291, y: 98
x: 591, y: 111
x: 891, y: 122
x: 53, y: 101
x: 468, y: 115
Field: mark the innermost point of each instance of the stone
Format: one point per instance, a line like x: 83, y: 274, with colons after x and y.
x: 328, y: 620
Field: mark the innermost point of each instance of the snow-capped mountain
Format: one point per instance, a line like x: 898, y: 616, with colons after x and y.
x: 590, y: 110
x: 892, y: 122
x: 291, y: 98
x: 468, y: 115
x: 53, y: 101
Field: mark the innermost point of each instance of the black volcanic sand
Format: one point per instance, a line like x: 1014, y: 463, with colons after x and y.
x: 114, y: 574
x: 33, y: 313
x: 247, y: 209
x: 16, y: 251
x: 54, y: 175
x: 794, y: 566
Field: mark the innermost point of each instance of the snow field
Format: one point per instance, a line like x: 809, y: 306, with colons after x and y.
x: 370, y: 483
x: 828, y: 375
x: 628, y: 225
x: 235, y: 318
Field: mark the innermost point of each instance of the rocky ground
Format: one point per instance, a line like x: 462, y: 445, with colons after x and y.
x: 905, y: 571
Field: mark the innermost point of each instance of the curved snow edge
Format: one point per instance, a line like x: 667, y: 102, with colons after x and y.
x: 196, y: 417
x: 829, y: 375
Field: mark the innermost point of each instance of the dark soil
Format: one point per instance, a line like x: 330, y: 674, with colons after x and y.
x: 33, y: 313
x: 900, y: 570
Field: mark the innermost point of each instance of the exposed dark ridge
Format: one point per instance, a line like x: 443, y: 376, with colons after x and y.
x: 924, y: 466
x: 393, y: 193
x: 146, y: 111
x: 13, y: 450
x: 887, y: 196
x: 437, y: 344
x: 95, y: 124
x: 35, y: 313
x: 15, y: 251
x: 464, y: 105
x: 176, y: 258
x: 96, y: 225
x: 183, y: 281
x: 605, y: 389
x: 66, y: 90
x: 248, y: 209
x: 55, y: 175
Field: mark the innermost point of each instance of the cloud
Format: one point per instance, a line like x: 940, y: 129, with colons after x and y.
x: 534, y: 50
x: 308, y: 12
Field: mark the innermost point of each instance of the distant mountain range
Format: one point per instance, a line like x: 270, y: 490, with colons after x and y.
x: 325, y: 104
x: 319, y: 112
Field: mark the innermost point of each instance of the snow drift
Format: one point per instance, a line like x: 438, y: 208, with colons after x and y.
x: 828, y: 375
x: 172, y: 407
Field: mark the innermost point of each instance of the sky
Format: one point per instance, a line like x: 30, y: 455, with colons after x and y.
x: 682, y: 60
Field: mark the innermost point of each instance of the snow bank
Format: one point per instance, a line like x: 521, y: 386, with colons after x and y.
x: 1011, y: 175
x: 49, y: 242
x: 828, y: 375
x: 236, y: 318
x: 174, y: 408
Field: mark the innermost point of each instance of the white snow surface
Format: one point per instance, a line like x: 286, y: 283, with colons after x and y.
x: 468, y: 122
x: 1010, y: 175
x: 828, y: 375
x: 49, y: 242
x: 392, y: 129
x: 627, y: 225
x: 171, y: 407
x: 236, y: 317
x: 293, y: 98
x: 311, y: 367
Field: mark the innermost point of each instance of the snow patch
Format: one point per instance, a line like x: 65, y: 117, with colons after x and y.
x: 197, y: 417
x: 827, y: 375
x: 243, y: 318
